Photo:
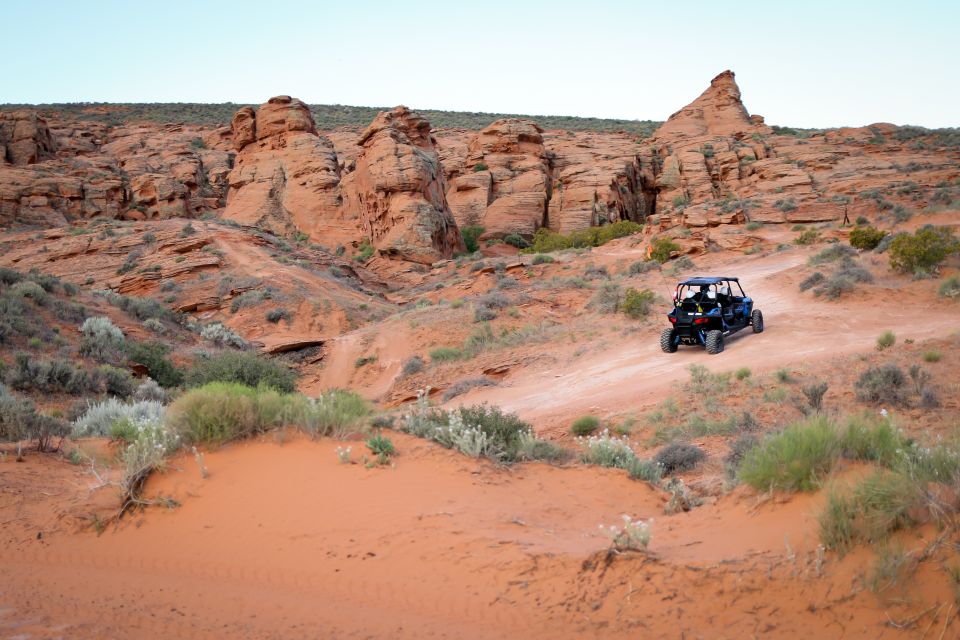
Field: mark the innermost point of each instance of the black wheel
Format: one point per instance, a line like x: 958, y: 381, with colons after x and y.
x: 668, y: 340
x: 756, y: 319
x: 714, y: 342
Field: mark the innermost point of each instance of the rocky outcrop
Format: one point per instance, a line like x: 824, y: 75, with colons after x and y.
x: 286, y: 177
x: 24, y: 138
x: 71, y: 170
x: 397, y: 189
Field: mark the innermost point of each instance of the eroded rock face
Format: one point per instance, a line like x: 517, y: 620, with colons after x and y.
x: 24, y: 138
x: 286, y: 177
x: 72, y: 170
x: 398, y: 190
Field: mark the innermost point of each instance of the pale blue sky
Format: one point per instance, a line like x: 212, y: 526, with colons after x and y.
x: 814, y: 64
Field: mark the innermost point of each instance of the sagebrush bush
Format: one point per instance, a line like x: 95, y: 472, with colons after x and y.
x: 462, y: 386
x: 413, y: 365
x: 812, y: 280
x: 117, y: 382
x: 221, y: 335
x: 99, y: 417
x: 810, y: 236
x: 607, y: 298
x: 797, y: 458
x: 20, y: 420
x: 950, y: 288
x: 832, y: 254
x: 101, y: 339
x: 641, y: 267
x: 679, y: 457
x: 29, y: 289
x: 884, y: 384
x: 149, y: 390
x: 886, y: 340
x: 242, y: 367
x: 276, y: 315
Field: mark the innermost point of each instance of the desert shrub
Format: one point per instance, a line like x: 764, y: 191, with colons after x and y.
x: 585, y: 425
x: 812, y: 280
x: 246, y: 299
x: 814, y: 393
x: 462, y: 386
x: 117, y: 382
x: 679, y: 457
x: 241, y: 367
x: 662, y: 248
x: 738, y: 449
x: 835, y: 287
x: 139, y: 308
x: 646, y: 470
x: 532, y: 448
x: 221, y: 335
x: 851, y: 270
x: 471, y: 237
x: 882, y: 385
x: 381, y: 446
x: 636, y: 304
x: 879, y: 504
x: 484, y: 314
x: 516, y: 240
x: 742, y: 373
x: 541, y: 258
x: 607, y: 450
x: 49, y: 376
x: 99, y: 417
x: 886, y: 340
x: 634, y: 535
x: 924, y: 251
x: 10, y: 276
x: 153, y: 356
x: 810, y: 236
x: 29, y: 289
x: 480, y: 166
x: 950, y: 288
x: 932, y: 356
x: 704, y: 383
x: 446, y: 354
x: 156, y: 326
x: 901, y: 213
x: 641, y: 267
x: 607, y: 298
x: 493, y: 300
x: 866, y: 238
x: 593, y: 272
x: 794, y: 459
x: 866, y: 439
x: 363, y: 361
x: 69, y: 311
x: 413, y: 365
x: 786, y: 204
x: 276, y: 315
x: 101, y: 339
x: 753, y: 226
x: 149, y: 390
x: 19, y: 420
x: 832, y: 254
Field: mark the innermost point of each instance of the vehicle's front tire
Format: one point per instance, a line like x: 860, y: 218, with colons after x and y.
x: 756, y: 319
x: 714, y: 342
x: 668, y: 340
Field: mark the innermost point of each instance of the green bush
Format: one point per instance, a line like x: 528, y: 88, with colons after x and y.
x: 932, y: 356
x: 866, y: 238
x: 222, y: 411
x: 742, y: 373
x: 276, y: 315
x: 795, y: 459
x: 865, y: 439
x: 241, y: 367
x: 662, y: 248
x: 545, y: 241
x: 153, y: 356
x: 886, y: 340
x: 809, y: 236
x: 446, y: 354
x: 471, y: 237
x: 585, y: 425
x: 542, y: 259
x: 878, y: 504
x: 637, y: 304
x: 117, y: 382
x: 516, y: 240
x: 924, y: 251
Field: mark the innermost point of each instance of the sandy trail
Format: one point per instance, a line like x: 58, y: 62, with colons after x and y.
x: 800, y: 329
x: 282, y: 540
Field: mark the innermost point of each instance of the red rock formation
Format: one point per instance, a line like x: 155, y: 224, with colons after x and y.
x: 398, y: 190
x: 24, y: 138
x: 286, y: 177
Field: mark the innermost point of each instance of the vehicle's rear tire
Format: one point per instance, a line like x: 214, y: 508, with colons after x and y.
x: 668, y: 340
x: 756, y: 319
x: 714, y: 341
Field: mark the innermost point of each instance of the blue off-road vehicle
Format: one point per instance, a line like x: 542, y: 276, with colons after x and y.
x: 705, y: 310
